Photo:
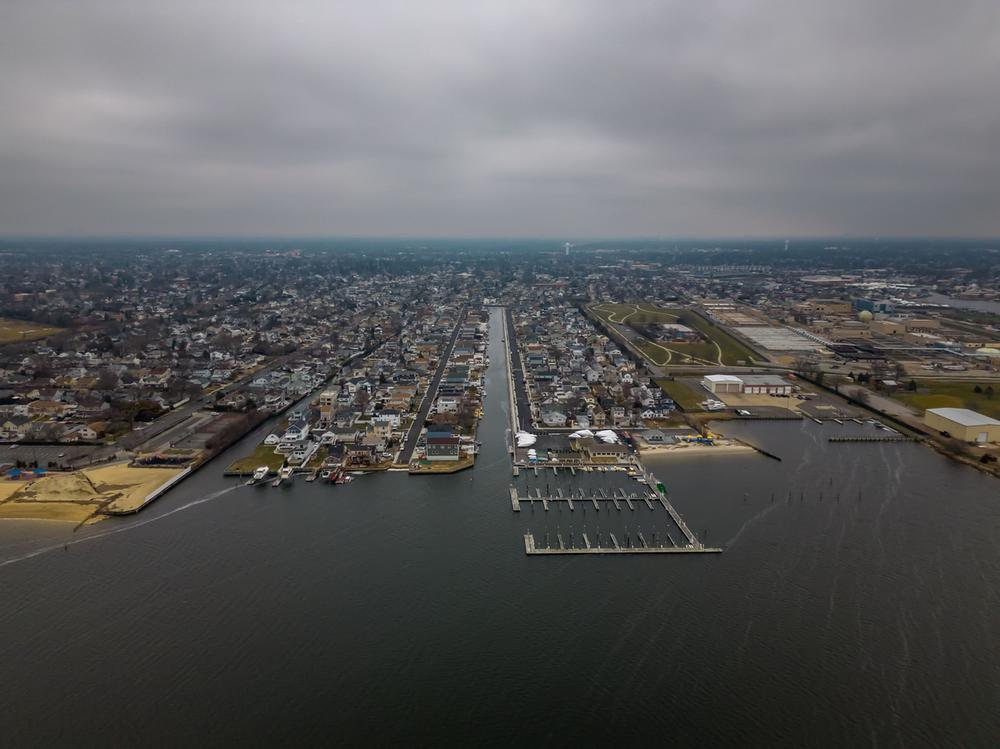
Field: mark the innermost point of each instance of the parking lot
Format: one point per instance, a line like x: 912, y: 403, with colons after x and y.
x: 46, y: 455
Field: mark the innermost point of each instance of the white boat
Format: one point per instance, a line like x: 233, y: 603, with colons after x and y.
x: 259, y: 475
x: 285, y: 474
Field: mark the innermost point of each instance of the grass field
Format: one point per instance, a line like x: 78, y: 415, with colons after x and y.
x: 682, y: 394
x: 638, y: 314
x: 732, y: 351
x: 657, y: 354
x: 677, y: 353
x: 719, y: 349
x: 263, y: 455
x: 12, y: 331
x: 933, y: 394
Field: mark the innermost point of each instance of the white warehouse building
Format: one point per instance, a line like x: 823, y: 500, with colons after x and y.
x: 749, y: 384
x: 722, y: 383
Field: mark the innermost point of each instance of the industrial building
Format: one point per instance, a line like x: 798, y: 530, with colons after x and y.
x: 722, y: 383
x: 765, y: 385
x: 963, y: 424
x: 750, y: 384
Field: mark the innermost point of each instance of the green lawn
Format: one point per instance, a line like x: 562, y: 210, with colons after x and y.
x: 682, y: 394
x: 263, y: 455
x: 12, y: 331
x: 633, y: 314
x: 678, y: 353
x: 729, y: 352
x: 697, y: 353
x: 653, y: 352
x: 933, y: 394
x: 615, y: 313
x: 732, y: 350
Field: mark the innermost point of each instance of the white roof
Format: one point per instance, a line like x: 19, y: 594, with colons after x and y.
x: 964, y: 416
x: 763, y: 380
x: 723, y: 378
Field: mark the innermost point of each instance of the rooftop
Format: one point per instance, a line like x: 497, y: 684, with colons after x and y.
x: 763, y: 380
x: 964, y: 416
x: 723, y: 378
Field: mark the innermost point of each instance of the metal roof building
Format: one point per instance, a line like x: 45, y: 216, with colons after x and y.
x: 722, y: 383
x: 963, y: 424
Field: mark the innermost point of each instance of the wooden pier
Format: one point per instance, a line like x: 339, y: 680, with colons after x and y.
x: 594, y: 498
x: 532, y: 549
x: 651, y: 492
x: 873, y: 438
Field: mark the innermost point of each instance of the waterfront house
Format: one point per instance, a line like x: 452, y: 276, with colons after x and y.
x: 296, y: 431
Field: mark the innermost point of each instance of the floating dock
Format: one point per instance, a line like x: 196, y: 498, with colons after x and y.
x: 648, y: 497
x: 531, y: 549
x: 649, y: 490
x: 874, y: 438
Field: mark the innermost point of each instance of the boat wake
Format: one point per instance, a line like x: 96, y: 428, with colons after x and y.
x: 749, y: 523
x: 112, y: 531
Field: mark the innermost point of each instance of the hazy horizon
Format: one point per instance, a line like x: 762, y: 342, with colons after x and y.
x: 556, y: 240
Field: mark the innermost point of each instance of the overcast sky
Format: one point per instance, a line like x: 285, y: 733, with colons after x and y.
x: 562, y: 119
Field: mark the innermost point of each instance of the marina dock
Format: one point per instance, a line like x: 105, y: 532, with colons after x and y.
x: 626, y: 496
x: 594, y: 498
x: 531, y: 548
x: 874, y: 438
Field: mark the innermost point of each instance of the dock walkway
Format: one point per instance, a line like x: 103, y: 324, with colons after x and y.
x: 874, y: 438
x: 532, y: 549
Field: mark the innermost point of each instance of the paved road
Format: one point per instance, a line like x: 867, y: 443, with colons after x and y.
x: 172, y: 436
x: 137, y: 437
x: 881, y: 403
x: 418, y: 423
x: 517, y: 373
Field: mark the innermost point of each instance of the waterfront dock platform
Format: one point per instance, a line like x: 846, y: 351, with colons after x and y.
x: 873, y: 438
x: 516, y: 500
x: 532, y: 549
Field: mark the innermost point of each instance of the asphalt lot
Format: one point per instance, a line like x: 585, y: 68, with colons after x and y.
x: 44, y: 454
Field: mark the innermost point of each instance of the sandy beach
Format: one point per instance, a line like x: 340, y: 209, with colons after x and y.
x: 82, y: 495
x: 693, y: 449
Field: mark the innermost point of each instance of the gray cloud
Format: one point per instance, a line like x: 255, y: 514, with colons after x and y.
x: 500, y: 118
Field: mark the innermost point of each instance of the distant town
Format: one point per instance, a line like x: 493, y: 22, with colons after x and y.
x: 122, y: 371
